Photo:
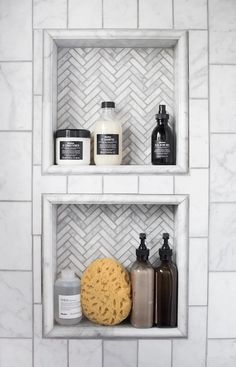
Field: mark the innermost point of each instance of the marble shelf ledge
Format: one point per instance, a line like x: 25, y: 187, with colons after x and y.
x: 122, y: 169
x: 87, y: 329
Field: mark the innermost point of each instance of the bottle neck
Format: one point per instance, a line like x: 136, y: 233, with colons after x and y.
x: 108, y: 113
x: 162, y: 122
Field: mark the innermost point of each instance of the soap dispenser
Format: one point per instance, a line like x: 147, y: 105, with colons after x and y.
x: 142, y: 281
x: 163, y: 140
x: 166, y: 288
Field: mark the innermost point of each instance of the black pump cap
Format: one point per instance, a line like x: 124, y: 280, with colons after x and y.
x: 162, y: 113
x: 142, y: 252
x: 165, y: 252
x: 108, y: 104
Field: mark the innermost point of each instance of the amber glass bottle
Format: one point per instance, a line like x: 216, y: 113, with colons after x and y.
x: 166, y: 288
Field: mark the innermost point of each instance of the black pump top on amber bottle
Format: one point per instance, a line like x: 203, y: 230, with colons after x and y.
x: 142, y: 252
x: 165, y: 252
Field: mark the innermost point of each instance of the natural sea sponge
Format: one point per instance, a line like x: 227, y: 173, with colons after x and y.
x: 106, y: 292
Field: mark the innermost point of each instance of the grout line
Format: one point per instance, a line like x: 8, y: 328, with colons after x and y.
x: 224, y: 133
x: 102, y: 13
x: 171, y: 355
x: 32, y: 181
x: 15, y: 337
x: 16, y: 270
x: 223, y: 202
x: 16, y: 131
x: 199, y: 98
x: 67, y: 14
x: 209, y: 193
x: 137, y: 14
x: 137, y: 351
x: 15, y: 61
x: 102, y: 353
x: 222, y: 271
x: 221, y: 64
x: 67, y: 352
x: 223, y: 338
x: 15, y: 201
x: 173, y: 15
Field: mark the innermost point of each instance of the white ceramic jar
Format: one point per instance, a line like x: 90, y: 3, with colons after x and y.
x: 108, y: 137
x: 73, y: 147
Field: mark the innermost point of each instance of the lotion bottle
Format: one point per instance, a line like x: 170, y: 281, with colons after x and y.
x: 108, y: 137
x: 142, y: 280
x: 163, y: 141
x: 166, y: 288
x: 67, y: 306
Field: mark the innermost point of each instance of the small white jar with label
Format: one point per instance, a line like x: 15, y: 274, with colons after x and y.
x: 72, y: 147
x: 67, y: 304
x: 108, y: 137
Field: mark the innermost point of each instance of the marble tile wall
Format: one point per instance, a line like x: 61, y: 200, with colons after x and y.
x: 211, y: 182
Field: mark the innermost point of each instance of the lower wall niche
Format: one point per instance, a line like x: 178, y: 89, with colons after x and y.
x: 78, y: 229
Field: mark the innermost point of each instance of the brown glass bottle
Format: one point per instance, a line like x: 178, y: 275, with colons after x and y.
x: 166, y: 288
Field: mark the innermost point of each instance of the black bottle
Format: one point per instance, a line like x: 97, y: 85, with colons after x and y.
x: 166, y: 288
x: 163, y: 149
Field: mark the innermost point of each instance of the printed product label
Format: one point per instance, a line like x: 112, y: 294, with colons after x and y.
x: 108, y: 144
x: 161, y: 149
x: 71, y: 150
x: 69, y: 307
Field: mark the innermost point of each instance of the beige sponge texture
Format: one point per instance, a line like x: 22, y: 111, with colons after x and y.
x: 106, y: 292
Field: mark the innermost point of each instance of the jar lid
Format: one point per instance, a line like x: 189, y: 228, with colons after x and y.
x: 108, y: 104
x: 72, y: 133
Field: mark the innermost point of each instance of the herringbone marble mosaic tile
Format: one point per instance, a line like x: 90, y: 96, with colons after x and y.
x: 137, y: 79
x: 88, y: 232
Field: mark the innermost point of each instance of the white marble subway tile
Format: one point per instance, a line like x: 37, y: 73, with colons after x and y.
x: 223, y: 96
x: 196, y: 185
x: 37, y: 275
x: 85, y: 353
x: 120, y: 13
x: 222, y: 300
x: 191, y: 351
x: 221, y: 353
x: 85, y: 14
x: 190, y: 14
x: 16, y: 30
x: 15, y: 163
x: 198, y: 64
x: 153, y: 353
x: 16, y: 304
x: 222, y: 47
x: 47, y: 352
x: 37, y: 131
x: 120, y: 353
x: 16, y: 240
x: 155, y: 14
x: 156, y: 185
x: 223, y: 168
x: 15, y: 352
x: 38, y: 62
x: 199, y: 133
x: 16, y: 96
x: 198, y: 260
x: 222, y: 15
x: 85, y: 184
x: 44, y: 184
x: 222, y: 237
x: 120, y: 184
x: 50, y: 13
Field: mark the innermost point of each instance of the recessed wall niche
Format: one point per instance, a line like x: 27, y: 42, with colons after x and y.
x: 137, y: 69
x: 80, y: 228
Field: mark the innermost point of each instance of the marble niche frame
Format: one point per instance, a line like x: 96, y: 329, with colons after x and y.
x: 52, y: 39
x: 49, y: 266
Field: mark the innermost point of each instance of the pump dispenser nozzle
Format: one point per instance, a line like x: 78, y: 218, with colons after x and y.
x: 162, y: 115
x: 142, y: 252
x: 165, y: 252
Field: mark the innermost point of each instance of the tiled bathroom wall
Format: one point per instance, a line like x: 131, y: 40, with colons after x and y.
x: 211, y: 182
